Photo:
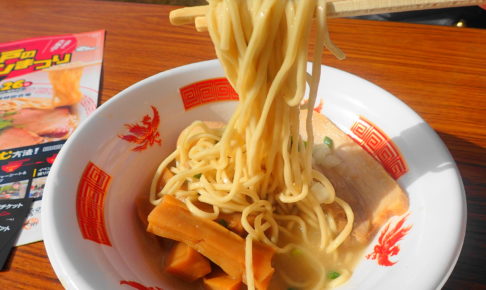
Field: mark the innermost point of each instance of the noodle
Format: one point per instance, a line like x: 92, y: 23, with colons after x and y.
x: 65, y: 81
x: 258, y: 165
x: 249, y: 262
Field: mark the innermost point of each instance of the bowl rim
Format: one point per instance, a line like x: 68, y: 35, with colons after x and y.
x: 51, y: 235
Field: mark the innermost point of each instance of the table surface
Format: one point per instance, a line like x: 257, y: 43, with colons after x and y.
x: 440, y: 72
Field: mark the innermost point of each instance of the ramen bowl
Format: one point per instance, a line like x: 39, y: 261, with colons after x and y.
x: 94, y: 239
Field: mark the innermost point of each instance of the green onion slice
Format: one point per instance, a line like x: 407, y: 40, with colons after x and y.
x: 333, y: 275
x: 328, y: 141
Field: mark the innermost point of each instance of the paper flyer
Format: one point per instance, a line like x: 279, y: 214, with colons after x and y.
x: 12, y: 217
x: 48, y: 86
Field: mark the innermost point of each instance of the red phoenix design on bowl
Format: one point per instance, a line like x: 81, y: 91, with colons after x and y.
x: 387, y: 242
x: 145, y: 133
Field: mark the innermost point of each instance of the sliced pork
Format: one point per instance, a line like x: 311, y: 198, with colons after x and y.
x: 17, y: 137
x: 360, y: 180
x: 52, y: 123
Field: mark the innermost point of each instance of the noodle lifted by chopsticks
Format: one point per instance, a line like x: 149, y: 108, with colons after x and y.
x: 258, y: 165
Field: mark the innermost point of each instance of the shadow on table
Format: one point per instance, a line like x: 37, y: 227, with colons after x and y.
x: 470, y: 272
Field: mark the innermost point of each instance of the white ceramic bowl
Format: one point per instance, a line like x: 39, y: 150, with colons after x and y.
x: 93, y: 237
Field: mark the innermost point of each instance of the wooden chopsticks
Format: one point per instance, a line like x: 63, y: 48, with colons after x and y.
x: 335, y: 8
x: 367, y: 7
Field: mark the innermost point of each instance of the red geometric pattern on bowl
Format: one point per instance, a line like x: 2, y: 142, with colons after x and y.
x: 92, y: 188
x: 380, y: 146
x: 207, y: 91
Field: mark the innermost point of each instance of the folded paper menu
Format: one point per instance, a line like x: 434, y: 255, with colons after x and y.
x: 48, y: 86
x: 12, y: 216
